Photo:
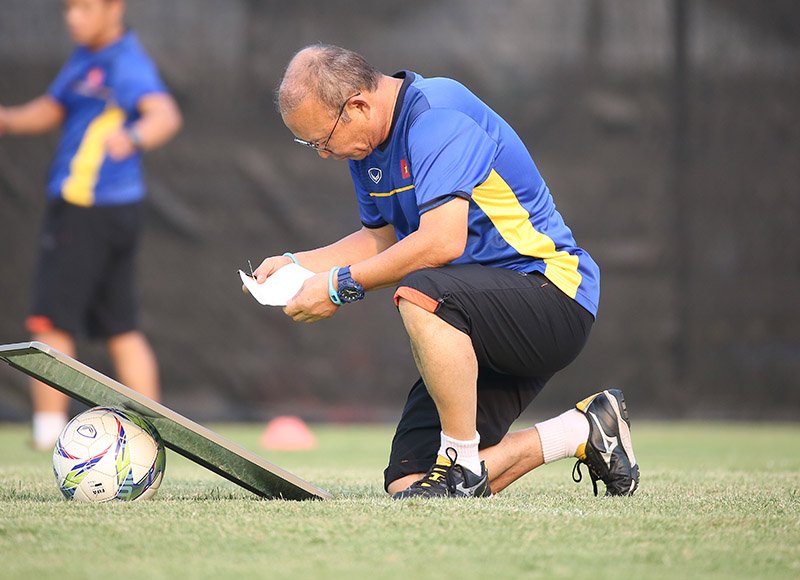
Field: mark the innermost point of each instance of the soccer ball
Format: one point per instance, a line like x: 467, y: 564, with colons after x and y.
x: 105, y: 454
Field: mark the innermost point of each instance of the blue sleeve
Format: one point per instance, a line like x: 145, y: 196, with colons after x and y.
x: 58, y: 88
x: 138, y: 77
x: 367, y: 210
x: 450, y: 155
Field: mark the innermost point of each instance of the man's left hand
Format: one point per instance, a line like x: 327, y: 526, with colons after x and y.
x: 312, y: 302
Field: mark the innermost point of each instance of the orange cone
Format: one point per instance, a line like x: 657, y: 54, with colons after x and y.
x: 287, y: 433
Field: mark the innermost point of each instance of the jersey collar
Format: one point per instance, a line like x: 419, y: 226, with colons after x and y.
x: 408, y: 78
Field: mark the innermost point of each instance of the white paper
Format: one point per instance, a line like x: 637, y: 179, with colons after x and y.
x: 279, y: 288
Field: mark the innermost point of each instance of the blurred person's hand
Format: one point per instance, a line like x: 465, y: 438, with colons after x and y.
x: 120, y: 145
x: 3, y: 120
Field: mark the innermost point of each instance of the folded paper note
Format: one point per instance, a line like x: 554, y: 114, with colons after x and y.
x: 279, y: 288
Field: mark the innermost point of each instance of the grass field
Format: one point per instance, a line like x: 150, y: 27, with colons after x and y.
x: 716, y: 501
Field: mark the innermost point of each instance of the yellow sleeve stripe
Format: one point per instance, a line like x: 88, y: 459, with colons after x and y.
x: 500, y: 204
x: 84, y: 169
x: 389, y: 193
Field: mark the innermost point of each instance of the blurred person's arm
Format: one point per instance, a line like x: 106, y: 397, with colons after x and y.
x: 160, y: 120
x: 40, y: 115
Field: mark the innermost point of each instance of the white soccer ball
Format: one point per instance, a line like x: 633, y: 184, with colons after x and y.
x: 105, y: 454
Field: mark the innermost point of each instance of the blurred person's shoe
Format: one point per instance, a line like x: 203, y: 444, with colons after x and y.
x: 448, y: 479
x: 608, y: 452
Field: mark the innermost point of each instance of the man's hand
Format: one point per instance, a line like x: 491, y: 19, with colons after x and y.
x: 312, y: 302
x: 269, y: 266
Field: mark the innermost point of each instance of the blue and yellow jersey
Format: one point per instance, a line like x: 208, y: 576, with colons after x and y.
x: 100, y: 92
x: 446, y: 143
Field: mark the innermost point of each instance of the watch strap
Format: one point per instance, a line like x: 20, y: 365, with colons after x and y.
x: 348, y: 289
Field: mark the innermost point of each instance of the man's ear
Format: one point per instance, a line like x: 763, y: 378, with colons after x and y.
x: 359, y: 106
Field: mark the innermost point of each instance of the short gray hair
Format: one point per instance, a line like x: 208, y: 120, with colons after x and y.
x: 328, y: 73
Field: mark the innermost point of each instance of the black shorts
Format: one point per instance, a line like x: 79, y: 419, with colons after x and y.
x: 84, y: 278
x: 523, y: 329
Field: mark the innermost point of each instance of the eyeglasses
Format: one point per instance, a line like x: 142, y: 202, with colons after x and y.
x: 324, y: 147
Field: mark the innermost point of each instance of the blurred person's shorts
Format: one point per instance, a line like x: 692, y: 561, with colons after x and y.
x: 84, y: 281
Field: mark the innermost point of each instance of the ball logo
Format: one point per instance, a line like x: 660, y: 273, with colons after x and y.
x: 87, y: 431
x: 375, y: 174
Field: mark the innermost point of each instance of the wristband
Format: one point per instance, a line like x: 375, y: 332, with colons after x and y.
x: 135, y: 137
x: 332, y: 294
x: 291, y: 257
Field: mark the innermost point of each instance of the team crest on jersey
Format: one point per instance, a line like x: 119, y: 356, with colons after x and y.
x: 95, y: 78
x: 93, y: 85
x: 375, y: 174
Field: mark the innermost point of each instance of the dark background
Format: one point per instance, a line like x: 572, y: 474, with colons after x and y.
x: 668, y: 131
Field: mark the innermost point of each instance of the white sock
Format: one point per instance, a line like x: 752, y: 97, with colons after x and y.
x: 46, y: 428
x: 561, y: 436
x: 467, y: 451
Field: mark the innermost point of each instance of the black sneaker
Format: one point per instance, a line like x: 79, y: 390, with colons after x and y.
x: 447, y: 479
x: 608, y: 453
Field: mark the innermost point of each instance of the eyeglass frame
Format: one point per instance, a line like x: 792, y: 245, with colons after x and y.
x: 315, y: 144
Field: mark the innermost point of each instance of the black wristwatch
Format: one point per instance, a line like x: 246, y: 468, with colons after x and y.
x: 348, y: 289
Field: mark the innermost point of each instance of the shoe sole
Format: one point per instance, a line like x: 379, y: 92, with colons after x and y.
x: 617, y: 400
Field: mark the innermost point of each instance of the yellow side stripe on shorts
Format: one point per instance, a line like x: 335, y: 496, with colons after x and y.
x: 84, y: 169
x: 499, y: 202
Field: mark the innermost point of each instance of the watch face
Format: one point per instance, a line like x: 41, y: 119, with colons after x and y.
x: 351, y: 294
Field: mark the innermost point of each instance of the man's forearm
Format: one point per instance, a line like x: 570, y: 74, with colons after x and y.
x: 378, y: 260
x: 390, y: 266
x: 440, y: 239
x: 356, y: 247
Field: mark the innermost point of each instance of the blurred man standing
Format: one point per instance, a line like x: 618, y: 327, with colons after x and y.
x: 112, y: 105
